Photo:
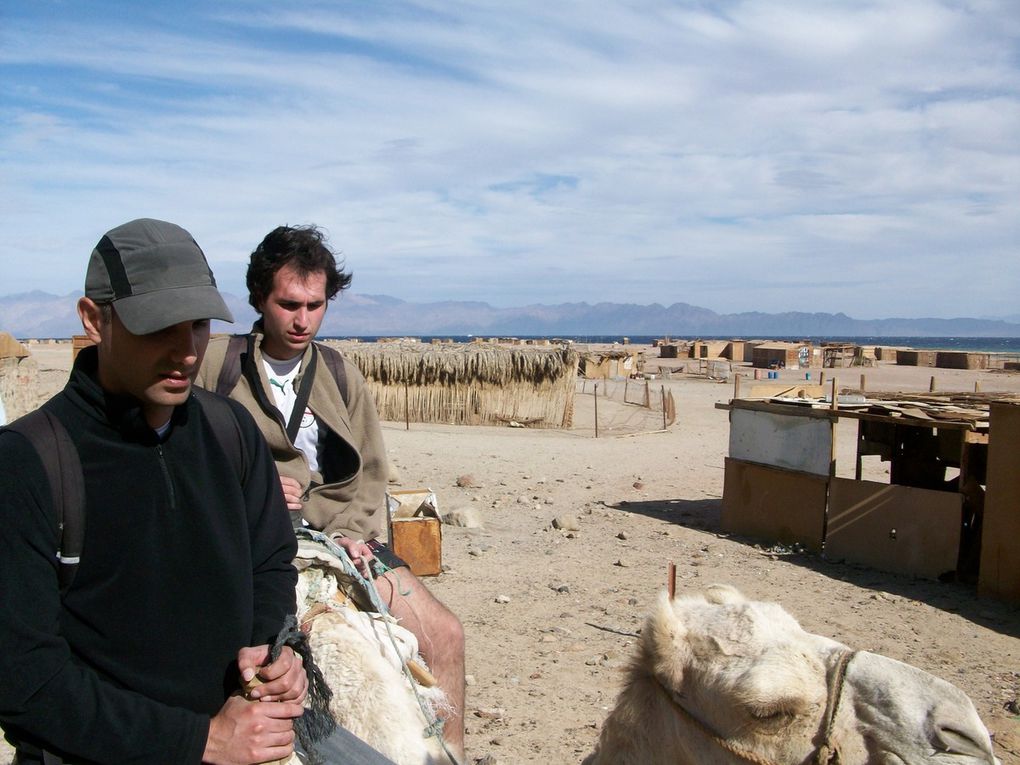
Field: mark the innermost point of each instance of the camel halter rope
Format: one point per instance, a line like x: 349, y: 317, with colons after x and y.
x: 825, y: 754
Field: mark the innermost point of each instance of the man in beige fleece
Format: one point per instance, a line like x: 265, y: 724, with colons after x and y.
x: 320, y: 420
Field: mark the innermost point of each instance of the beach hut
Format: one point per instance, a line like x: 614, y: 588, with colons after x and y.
x: 781, y: 482
x: 961, y: 360
x: 469, y: 384
x: 908, y: 357
x: 601, y: 365
x: 708, y: 349
x: 781, y: 355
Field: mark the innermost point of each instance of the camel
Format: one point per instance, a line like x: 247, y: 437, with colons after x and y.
x: 382, y: 691
x: 718, y: 679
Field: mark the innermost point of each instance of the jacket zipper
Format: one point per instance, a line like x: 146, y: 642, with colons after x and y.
x: 166, y: 476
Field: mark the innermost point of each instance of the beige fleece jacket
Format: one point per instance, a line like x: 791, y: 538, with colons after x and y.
x: 348, y: 496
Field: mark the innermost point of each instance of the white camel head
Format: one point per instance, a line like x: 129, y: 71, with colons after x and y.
x: 721, y: 680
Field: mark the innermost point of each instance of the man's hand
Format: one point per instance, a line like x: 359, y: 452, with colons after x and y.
x: 360, y: 553
x: 283, y: 680
x: 243, y: 732
x: 292, y: 492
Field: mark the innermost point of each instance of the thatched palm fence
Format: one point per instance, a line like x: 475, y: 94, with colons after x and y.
x: 469, y: 384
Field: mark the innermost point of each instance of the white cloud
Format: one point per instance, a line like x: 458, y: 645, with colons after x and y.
x: 718, y: 151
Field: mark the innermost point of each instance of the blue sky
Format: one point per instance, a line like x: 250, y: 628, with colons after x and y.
x: 767, y: 155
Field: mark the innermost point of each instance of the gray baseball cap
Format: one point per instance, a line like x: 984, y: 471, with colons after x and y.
x: 155, y: 274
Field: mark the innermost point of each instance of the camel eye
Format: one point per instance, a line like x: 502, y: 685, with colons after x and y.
x: 774, y: 716
x: 769, y: 712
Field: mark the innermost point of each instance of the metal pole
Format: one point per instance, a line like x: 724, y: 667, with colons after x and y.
x: 596, y: 410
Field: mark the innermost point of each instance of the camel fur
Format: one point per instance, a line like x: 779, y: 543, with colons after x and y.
x: 720, y: 665
x: 362, y: 655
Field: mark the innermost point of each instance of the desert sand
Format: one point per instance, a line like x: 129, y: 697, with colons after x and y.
x: 551, y: 615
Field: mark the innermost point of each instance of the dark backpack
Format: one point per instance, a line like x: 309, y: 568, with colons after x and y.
x: 60, y: 460
x: 230, y: 372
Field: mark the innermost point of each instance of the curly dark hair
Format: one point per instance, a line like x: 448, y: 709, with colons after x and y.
x: 304, y: 248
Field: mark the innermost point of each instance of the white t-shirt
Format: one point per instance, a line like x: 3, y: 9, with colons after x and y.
x: 281, y: 376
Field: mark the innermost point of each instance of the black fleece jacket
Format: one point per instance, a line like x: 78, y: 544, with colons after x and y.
x: 181, y: 567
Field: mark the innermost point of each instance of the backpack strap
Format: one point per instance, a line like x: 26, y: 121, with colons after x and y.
x: 227, y: 429
x: 230, y: 372
x: 335, y: 362
x: 60, y: 460
x: 303, y: 392
x: 62, y: 465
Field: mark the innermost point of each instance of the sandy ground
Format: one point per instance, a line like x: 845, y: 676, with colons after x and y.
x: 551, y: 615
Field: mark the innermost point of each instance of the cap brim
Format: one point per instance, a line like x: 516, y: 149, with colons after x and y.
x: 152, y: 311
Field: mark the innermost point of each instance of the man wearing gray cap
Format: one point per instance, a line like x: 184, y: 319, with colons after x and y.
x: 185, y: 571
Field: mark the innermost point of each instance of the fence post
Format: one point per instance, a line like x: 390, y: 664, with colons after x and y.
x: 648, y: 398
x: 596, y: 410
x: 931, y: 387
x: 663, y: 396
x: 407, y: 409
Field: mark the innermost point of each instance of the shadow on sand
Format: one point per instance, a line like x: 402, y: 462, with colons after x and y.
x: 705, y: 514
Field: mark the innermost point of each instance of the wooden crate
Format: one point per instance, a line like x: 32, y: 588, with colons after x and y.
x: 418, y: 541
x: 77, y: 343
x: 416, y: 533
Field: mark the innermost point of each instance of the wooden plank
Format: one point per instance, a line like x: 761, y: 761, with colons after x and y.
x: 773, y: 505
x: 777, y: 408
x: 999, y: 575
x: 798, y: 409
x: 908, y: 421
x: 772, y: 438
x: 900, y: 529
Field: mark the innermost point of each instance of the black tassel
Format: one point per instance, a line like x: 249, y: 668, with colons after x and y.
x: 317, y: 722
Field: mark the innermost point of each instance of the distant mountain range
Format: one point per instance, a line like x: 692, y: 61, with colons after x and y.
x: 38, y: 314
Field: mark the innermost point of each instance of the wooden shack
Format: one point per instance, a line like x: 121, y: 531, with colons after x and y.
x: 910, y: 357
x: 708, y: 349
x: 781, y: 355
x: 469, y: 384
x: 669, y: 351
x: 78, y: 342
x: 835, y: 355
x: 781, y: 484
x: 886, y: 353
x: 11, y: 348
x: 601, y: 365
x: 961, y: 360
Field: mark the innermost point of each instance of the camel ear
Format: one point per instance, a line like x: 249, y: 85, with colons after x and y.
x: 665, y: 638
x: 723, y: 594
